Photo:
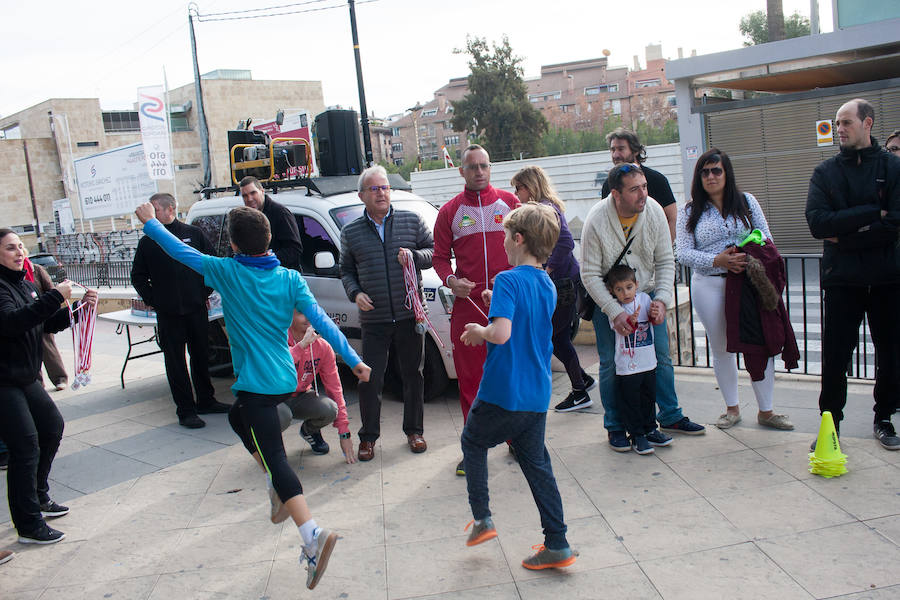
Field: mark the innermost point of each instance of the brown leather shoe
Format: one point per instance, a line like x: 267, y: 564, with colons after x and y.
x: 416, y: 443
x: 366, y: 451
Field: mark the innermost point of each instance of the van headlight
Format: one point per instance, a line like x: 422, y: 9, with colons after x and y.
x: 447, y: 299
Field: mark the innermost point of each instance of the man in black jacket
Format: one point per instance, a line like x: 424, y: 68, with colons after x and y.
x: 854, y: 206
x: 178, y: 295
x: 285, y: 241
x: 373, y: 251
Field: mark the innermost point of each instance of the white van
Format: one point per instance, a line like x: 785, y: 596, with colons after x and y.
x: 320, y: 217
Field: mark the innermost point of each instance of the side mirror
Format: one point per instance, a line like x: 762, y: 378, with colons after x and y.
x: 324, y: 261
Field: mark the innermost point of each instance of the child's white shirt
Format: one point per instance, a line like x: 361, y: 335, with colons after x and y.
x: 636, y: 352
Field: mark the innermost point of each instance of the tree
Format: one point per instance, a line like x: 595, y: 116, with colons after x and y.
x: 496, y: 108
x: 755, y: 27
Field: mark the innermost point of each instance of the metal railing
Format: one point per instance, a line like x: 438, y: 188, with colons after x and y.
x: 100, y: 274
x: 804, y: 300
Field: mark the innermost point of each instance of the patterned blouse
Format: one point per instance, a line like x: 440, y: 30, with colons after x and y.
x: 713, y: 234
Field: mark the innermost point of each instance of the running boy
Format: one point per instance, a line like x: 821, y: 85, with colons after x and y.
x: 258, y: 299
x: 635, y: 363
x: 514, y: 394
x: 313, y: 356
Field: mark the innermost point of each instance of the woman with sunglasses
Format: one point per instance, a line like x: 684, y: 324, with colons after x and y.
x: 533, y: 185
x: 30, y: 423
x: 717, y: 218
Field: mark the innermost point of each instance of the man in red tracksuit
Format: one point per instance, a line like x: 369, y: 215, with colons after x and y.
x: 470, y: 226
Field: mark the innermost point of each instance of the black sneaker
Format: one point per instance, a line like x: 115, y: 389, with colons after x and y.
x: 4, y: 461
x: 886, y: 436
x: 619, y: 442
x: 213, y: 408
x: 576, y: 400
x: 641, y: 445
x: 685, y: 426
x: 52, y: 510
x: 315, y: 440
x: 658, y: 438
x: 589, y: 382
x: 44, y: 535
x: 192, y: 422
x: 461, y: 469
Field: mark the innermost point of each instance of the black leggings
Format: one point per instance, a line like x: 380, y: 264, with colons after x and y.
x: 254, y: 417
x: 32, y: 428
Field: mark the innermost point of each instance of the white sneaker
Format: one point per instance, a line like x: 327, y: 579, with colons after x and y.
x: 317, y: 557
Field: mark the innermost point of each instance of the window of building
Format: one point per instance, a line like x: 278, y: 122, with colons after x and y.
x: 179, y: 122
x: 395, y: 131
x: 645, y: 83
x: 430, y: 112
x: 117, y: 121
x: 614, y: 105
x: 567, y: 107
x: 607, y: 88
x: 670, y: 100
x: 12, y: 132
x: 545, y: 96
x: 449, y: 109
x: 398, y: 162
x: 398, y: 147
x: 87, y: 144
x: 451, y: 140
x: 187, y: 166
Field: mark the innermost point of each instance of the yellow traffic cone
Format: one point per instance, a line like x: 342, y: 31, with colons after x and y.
x: 827, y: 460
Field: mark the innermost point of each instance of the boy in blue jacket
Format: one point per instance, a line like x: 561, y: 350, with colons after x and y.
x: 258, y: 299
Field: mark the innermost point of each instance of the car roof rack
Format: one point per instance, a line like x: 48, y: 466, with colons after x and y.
x: 326, y: 186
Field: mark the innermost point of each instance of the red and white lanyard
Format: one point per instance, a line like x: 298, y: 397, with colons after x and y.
x: 626, y: 349
x: 414, y: 299
x: 82, y: 340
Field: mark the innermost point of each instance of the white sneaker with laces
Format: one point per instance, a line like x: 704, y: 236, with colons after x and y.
x: 317, y: 557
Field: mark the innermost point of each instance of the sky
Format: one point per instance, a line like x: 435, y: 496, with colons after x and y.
x: 107, y: 49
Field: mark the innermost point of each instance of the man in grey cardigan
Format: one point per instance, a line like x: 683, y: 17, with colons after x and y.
x: 627, y: 215
x: 373, y: 251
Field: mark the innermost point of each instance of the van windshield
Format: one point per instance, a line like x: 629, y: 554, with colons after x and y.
x: 346, y: 214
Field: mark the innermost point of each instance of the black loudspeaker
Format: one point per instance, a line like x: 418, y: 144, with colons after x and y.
x: 340, y: 152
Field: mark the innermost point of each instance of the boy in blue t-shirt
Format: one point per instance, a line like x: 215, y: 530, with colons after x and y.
x: 514, y: 394
x: 258, y: 299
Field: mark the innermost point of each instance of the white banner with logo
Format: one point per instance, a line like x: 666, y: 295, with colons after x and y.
x: 154, y: 120
x: 113, y: 183
x: 62, y: 216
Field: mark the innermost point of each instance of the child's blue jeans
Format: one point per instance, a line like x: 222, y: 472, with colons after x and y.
x: 489, y: 425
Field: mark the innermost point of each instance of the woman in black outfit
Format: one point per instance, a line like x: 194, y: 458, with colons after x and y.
x: 30, y: 423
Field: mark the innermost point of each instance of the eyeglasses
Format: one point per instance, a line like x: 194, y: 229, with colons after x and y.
x: 383, y: 188
x: 893, y: 148
x: 477, y: 167
x: 714, y: 171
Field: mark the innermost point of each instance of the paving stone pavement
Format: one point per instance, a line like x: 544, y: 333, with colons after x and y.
x: 161, y: 512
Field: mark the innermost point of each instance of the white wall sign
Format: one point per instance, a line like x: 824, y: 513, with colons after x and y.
x: 824, y: 133
x: 154, y: 120
x: 62, y: 216
x: 114, y: 182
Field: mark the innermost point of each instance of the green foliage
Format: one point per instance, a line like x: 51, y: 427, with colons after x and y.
x: 755, y: 27
x: 566, y: 141
x: 496, y: 107
x: 410, y: 165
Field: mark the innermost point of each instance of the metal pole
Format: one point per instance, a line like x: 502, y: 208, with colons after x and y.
x: 367, y: 140
x: 171, y: 147
x: 202, y: 127
x: 813, y: 17
x: 34, y: 210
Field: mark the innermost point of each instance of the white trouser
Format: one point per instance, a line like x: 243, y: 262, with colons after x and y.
x: 708, y: 299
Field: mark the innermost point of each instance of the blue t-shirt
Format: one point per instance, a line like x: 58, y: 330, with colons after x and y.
x: 517, y: 374
x: 258, y: 305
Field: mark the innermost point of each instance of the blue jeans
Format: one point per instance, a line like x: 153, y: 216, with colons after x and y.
x: 489, y: 425
x: 669, y: 411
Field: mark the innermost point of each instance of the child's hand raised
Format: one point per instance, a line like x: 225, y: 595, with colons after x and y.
x: 472, y: 336
x: 362, y: 371
x: 486, y: 296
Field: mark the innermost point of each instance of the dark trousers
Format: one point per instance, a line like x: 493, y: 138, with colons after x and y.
x: 32, y: 428
x: 844, y: 310
x: 176, y: 332
x: 562, y: 344
x: 489, y: 425
x: 409, y: 348
x: 254, y: 417
x: 636, y: 395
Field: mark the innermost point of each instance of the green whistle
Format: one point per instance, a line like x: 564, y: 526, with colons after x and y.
x: 755, y: 236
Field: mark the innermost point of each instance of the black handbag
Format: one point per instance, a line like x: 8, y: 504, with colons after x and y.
x: 586, y: 304
x: 566, y: 294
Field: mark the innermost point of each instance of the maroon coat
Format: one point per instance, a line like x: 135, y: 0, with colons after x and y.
x: 774, y: 325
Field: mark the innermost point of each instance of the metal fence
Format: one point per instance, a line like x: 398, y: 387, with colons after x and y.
x: 100, y: 274
x: 804, y: 299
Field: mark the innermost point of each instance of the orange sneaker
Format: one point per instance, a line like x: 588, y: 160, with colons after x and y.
x: 481, y: 532
x: 549, y: 559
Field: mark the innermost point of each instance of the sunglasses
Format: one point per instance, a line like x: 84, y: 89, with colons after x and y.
x: 715, y: 171
x: 383, y: 188
x: 477, y: 167
x: 628, y: 168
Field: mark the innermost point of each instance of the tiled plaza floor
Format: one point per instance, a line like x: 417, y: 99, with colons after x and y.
x: 161, y: 512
